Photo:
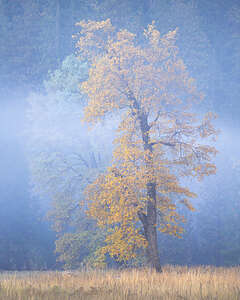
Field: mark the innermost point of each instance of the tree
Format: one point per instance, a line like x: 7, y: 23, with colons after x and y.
x: 63, y: 158
x: 159, y: 137
x: 27, y: 42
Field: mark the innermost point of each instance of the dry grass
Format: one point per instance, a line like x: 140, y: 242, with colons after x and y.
x: 175, y: 283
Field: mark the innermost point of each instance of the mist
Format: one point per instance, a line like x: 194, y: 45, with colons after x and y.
x: 49, y: 155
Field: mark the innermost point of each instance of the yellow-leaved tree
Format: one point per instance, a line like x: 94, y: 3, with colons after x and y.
x: 159, y: 139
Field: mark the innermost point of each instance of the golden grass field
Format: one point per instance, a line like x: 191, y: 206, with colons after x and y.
x: 174, y: 283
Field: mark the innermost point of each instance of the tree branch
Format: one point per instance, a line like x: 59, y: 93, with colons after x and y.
x: 164, y: 143
x: 143, y: 218
x: 155, y: 120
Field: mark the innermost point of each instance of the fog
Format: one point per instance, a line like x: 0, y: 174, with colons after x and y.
x: 57, y: 136
x: 49, y: 154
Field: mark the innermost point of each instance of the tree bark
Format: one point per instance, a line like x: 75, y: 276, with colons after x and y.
x: 148, y: 219
x: 151, y: 229
x: 149, y: 222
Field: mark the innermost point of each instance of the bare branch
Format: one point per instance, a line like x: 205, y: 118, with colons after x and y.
x: 164, y: 143
x: 155, y: 120
x: 81, y: 158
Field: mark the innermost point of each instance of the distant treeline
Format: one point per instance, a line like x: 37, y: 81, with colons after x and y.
x: 35, y: 36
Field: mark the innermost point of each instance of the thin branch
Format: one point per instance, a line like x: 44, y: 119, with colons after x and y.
x: 155, y: 120
x: 164, y: 143
x: 81, y: 158
x: 143, y: 218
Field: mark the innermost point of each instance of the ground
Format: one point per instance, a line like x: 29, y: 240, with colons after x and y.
x: 174, y: 283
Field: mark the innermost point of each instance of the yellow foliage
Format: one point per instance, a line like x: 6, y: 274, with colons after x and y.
x: 158, y: 138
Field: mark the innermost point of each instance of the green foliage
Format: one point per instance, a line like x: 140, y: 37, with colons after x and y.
x: 65, y: 80
x: 79, y: 249
x: 64, y: 157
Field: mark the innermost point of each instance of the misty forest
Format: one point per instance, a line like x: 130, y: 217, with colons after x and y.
x: 119, y: 130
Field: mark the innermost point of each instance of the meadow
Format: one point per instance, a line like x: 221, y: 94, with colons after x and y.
x: 174, y: 283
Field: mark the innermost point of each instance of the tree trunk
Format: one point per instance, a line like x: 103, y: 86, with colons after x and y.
x: 152, y: 248
x: 151, y: 229
x: 148, y: 219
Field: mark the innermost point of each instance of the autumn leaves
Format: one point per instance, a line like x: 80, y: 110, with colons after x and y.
x: 158, y: 140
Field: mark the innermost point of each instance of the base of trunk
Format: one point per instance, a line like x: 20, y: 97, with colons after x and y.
x: 152, y: 248
x: 153, y: 260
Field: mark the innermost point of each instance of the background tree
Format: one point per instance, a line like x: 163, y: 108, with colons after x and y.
x: 159, y: 135
x: 64, y: 157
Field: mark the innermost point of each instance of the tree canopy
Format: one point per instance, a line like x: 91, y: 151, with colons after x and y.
x: 160, y: 137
